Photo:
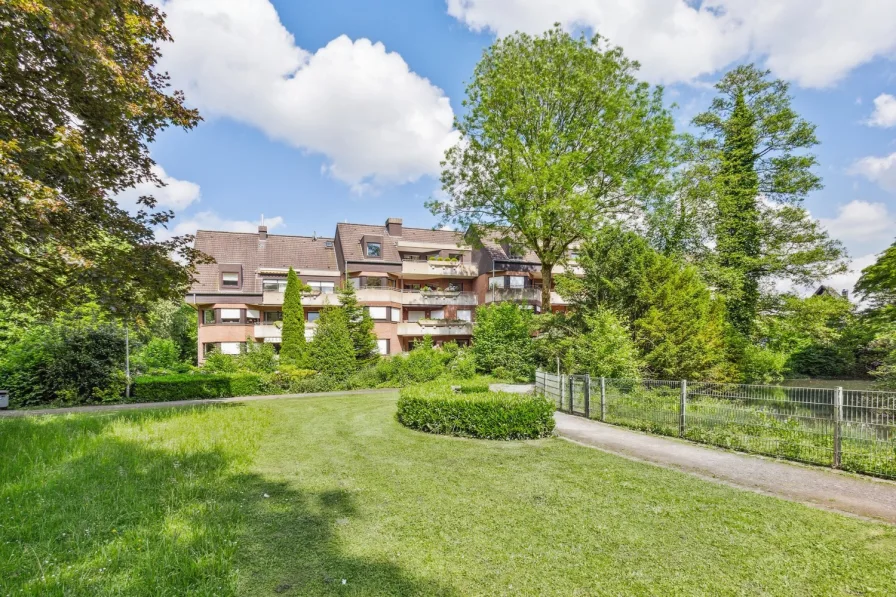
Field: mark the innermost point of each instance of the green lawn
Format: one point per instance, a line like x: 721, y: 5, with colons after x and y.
x: 290, y: 497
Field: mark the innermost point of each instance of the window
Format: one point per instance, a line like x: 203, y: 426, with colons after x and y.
x: 253, y: 316
x: 456, y: 256
x: 383, y: 346
x: 356, y: 282
x: 208, y: 316
x: 416, y: 315
x: 465, y: 314
x: 496, y: 282
x: 209, y: 347
x: 454, y: 287
x: 378, y: 312
x: 273, y: 285
x: 573, y: 255
x: 376, y: 282
x: 517, y: 282
x: 230, y: 315
x: 322, y: 287
x: 437, y: 314
x: 396, y: 315
x: 374, y: 249
x: 272, y: 316
x: 230, y: 347
x: 313, y: 316
x: 230, y: 279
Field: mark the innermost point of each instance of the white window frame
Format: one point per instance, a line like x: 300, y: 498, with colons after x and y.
x: 416, y: 315
x: 230, y: 277
x: 517, y: 282
x: 380, y: 252
x: 493, y: 282
x: 396, y: 315
x: 465, y: 314
x: 382, y: 345
x: 316, y: 315
x: 230, y: 347
x: 230, y: 314
x: 253, y: 314
x: 437, y: 314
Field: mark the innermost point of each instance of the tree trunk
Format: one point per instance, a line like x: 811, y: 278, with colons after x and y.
x: 547, y: 279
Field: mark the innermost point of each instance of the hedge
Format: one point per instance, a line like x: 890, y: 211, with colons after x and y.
x: 437, y: 408
x: 162, y: 388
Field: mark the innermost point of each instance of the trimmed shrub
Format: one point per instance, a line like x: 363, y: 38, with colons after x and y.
x: 162, y: 388
x: 436, y: 408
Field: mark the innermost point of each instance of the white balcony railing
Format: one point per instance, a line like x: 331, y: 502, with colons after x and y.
x: 525, y: 295
x: 269, y: 332
x: 435, y: 269
x: 309, y: 299
x: 435, y: 327
x: 439, y: 297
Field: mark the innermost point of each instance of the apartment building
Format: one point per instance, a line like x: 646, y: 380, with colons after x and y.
x: 414, y: 282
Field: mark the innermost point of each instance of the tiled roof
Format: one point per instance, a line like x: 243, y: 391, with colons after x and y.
x: 350, y: 236
x: 245, y: 248
x: 492, y: 245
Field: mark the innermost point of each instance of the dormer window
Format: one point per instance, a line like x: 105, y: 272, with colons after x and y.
x: 230, y: 279
x: 573, y: 255
x: 374, y: 249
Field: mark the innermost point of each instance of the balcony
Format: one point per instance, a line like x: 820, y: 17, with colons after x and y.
x: 515, y: 295
x: 439, y: 297
x: 309, y: 299
x: 379, y: 294
x: 420, y: 270
x: 268, y: 332
x: 435, y: 327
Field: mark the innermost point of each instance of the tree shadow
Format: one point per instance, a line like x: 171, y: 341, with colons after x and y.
x: 87, y: 512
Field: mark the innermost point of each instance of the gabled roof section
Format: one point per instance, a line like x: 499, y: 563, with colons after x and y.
x: 351, y: 235
x: 498, y: 250
x: 253, y: 251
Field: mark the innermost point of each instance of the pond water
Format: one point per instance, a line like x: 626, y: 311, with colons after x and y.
x: 846, y: 384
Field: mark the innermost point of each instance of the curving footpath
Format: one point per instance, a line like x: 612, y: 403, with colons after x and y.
x: 814, y: 486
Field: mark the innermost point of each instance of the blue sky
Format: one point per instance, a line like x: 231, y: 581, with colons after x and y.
x: 318, y: 112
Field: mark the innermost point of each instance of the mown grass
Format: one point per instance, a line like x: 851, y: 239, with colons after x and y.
x: 290, y: 497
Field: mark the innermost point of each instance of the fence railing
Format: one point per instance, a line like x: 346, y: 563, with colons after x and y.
x: 850, y: 429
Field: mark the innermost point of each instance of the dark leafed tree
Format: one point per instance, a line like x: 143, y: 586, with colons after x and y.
x: 558, y: 136
x: 360, y: 324
x: 293, y: 347
x: 79, y: 104
x: 755, y: 151
x: 877, y: 285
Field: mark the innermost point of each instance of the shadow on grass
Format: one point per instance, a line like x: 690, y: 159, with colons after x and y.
x: 84, y: 511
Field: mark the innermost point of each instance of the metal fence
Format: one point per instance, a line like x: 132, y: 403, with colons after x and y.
x: 850, y: 429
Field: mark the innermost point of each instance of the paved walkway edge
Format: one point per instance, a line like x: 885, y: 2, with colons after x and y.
x: 175, y: 403
x: 846, y: 493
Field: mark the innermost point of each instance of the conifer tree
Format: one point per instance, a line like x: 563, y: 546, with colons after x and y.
x: 360, y: 325
x: 332, y: 352
x: 293, y: 348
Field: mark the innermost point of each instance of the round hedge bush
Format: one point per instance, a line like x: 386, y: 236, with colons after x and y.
x: 437, y: 408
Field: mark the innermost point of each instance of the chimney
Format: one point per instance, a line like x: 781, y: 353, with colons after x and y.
x: 262, y: 232
x: 844, y: 293
x: 393, y: 226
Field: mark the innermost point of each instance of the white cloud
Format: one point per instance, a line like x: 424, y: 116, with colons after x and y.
x: 209, y: 220
x: 848, y: 280
x: 377, y: 122
x: 862, y: 226
x: 176, y: 194
x: 884, y: 114
x: 813, y: 42
x: 880, y: 170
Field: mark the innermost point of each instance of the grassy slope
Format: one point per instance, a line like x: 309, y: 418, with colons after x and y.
x: 174, y: 504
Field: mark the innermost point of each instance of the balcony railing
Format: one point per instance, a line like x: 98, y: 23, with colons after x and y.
x: 269, y: 332
x: 309, y: 299
x: 435, y: 269
x: 439, y: 297
x: 525, y: 295
x: 435, y: 327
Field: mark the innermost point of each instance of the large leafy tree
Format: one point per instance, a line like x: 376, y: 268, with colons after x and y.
x: 293, y: 347
x: 755, y: 156
x: 877, y: 285
x: 502, y: 340
x: 558, y: 136
x: 79, y: 103
x: 360, y: 325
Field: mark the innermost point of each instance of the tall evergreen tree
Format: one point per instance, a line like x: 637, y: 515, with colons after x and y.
x: 360, y: 325
x: 332, y: 351
x: 755, y: 156
x: 293, y: 347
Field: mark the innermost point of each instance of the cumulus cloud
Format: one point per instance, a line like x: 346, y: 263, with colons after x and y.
x: 880, y: 170
x: 209, y: 220
x: 812, y: 42
x: 176, y: 194
x: 862, y: 226
x: 884, y: 114
x: 377, y: 122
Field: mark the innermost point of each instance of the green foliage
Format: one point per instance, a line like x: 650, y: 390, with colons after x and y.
x: 761, y: 365
x: 218, y: 362
x: 293, y: 348
x: 71, y: 360
x: 755, y: 160
x: 161, y: 388
x: 597, y: 343
x: 83, y: 101
x: 885, y: 373
x: 258, y: 358
x: 502, y: 340
x: 360, y: 325
x: 533, y: 162
x: 436, y: 408
x: 157, y: 354
x: 175, y: 321
x: 332, y: 352
x: 877, y: 285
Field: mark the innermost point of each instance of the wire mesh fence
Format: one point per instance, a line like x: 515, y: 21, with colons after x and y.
x: 851, y: 429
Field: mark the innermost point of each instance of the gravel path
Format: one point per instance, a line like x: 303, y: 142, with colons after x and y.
x: 814, y: 486
x: 136, y: 405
